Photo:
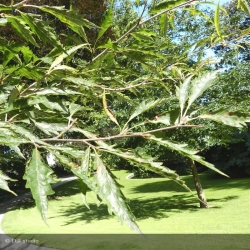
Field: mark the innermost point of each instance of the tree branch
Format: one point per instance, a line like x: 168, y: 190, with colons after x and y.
x: 121, y: 136
x: 66, y: 130
x: 129, y: 87
x: 21, y: 4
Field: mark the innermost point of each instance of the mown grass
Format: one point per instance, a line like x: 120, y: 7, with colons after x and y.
x: 160, y: 206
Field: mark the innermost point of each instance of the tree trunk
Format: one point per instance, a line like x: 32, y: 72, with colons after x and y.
x: 197, y: 183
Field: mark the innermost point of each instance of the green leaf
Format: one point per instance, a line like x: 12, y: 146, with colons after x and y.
x: 22, y: 29
x: 38, y: 176
x: 81, y: 81
x: 107, y: 20
x: 4, y: 7
x: 182, y: 93
x: 83, y: 189
x: 51, y: 103
x: 163, y: 23
x: 165, y: 5
x: 184, y: 150
x: 144, y: 160
x: 231, y: 118
x: 15, y: 147
x: 70, y: 17
x: 143, y: 107
x: 3, y: 182
x: 199, y: 85
x: 68, y: 52
x: 49, y: 128
x: 26, y: 134
x: 44, y: 32
x: 217, y: 20
x: 244, y: 6
x: 84, y: 170
x: 27, y: 54
x: 111, y: 193
x: 162, y: 119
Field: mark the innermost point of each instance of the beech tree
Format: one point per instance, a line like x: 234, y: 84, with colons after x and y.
x: 56, y: 102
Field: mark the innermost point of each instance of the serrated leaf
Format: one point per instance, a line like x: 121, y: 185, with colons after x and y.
x: 50, y: 128
x: 244, y: 6
x: 163, y: 23
x: 49, y: 102
x: 182, y: 93
x: 83, y: 189
x: 27, y: 54
x: 162, y: 119
x: 165, y: 5
x: 81, y: 81
x: 16, y: 149
x: 64, y: 55
x: 143, y: 107
x: 4, y: 184
x: 43, y: 31
x: 217, y: 20
x: 146, y: 161
x: 231, y: 118
x: 107, y: 20
x: 38, y: 176
x: 84, y: 170
x: 22, y: 28
x: 113, y: 196
x: 184, y: 150
x: 70, y: 17
x: 26, y: 134
x: 199, y: 85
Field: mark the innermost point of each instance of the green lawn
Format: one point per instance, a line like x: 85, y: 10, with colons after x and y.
x: 160, y: 206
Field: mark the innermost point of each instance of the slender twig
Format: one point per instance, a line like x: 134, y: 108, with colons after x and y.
x: 120, y: 136
x: 21, y: 4
x: 66, y: 130
x: 125, y: 88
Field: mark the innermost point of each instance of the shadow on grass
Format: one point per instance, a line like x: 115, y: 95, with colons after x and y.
x: 157, y: 208
x: 206, y: 180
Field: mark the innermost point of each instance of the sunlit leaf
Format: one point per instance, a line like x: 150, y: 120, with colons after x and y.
x: 199, y: 85
x: 165, y: 5
x: 39, y: 180
x: 107, y: 20
x: 68, y: 52
x: 143, y: 107
x: 184, y: 150
x: 217, y: 20
x: 231, y: 118
x: 113, y: 196
x: 182, y: 92
x: 4, y: 184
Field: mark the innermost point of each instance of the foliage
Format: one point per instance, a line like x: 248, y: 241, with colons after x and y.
x: 136, y: 83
